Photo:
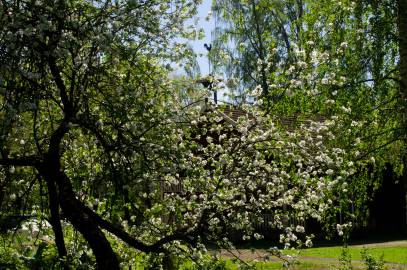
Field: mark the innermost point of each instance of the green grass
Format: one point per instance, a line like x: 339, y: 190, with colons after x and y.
x: 390, y: 254
x: 328, y: 258
x: 324, y: 258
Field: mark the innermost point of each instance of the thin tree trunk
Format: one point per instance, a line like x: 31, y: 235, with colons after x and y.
x: 261, y: 51
x: 55, y: 221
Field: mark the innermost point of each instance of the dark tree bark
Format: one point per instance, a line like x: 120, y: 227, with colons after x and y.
x: 72, y: 208
x: 55, y: 220
x: 74, y: 212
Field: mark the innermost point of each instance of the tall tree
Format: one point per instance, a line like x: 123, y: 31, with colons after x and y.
x: 339, y: 58
x: 246, y: 35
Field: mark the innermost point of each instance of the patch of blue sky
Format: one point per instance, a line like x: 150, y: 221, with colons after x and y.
x: 203, y: 20
x: 208, y: 25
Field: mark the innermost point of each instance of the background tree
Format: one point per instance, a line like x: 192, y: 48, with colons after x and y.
x: 343, y: 58
x: 246, y: 36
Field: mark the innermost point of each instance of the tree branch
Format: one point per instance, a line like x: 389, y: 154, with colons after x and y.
x: 68, y: 108
x: 133, y: 242
x: 31, y: 161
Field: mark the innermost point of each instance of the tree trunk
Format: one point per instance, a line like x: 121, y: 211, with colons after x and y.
x: 73, y: 210
x: 55, y: 221
x: 105, y: 256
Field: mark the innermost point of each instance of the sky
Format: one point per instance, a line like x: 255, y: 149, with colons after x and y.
x: 198, y: 45
x: 208, y: 26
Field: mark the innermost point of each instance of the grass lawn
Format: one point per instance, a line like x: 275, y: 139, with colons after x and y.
x: 394, y: 256
x: 390, y: 254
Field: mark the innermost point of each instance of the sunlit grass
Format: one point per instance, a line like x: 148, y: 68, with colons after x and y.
x: 328, y: 258
x: 390, y: 254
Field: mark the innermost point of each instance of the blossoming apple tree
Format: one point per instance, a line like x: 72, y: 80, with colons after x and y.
x: 94, y: 135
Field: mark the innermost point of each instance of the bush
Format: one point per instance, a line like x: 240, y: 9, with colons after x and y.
x: 345, y: 260
x: 371, y: 262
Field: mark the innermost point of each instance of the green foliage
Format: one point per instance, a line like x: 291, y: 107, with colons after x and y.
x: 18, y: 252
x: 8, y: 258
x: 345, y: 260
x: 311, y: 59
x: 106, y: 151
x: 371, y: 262
x: 211, y: 263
